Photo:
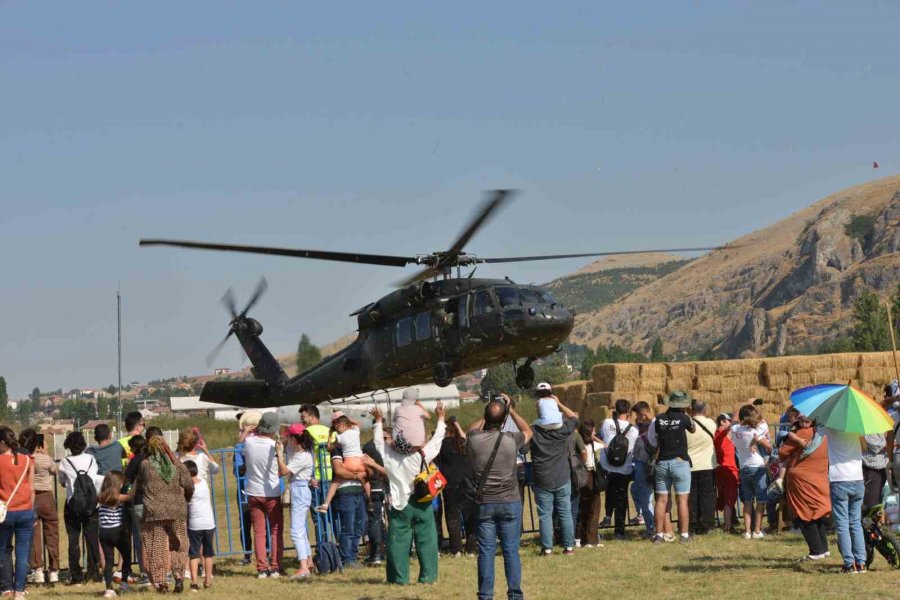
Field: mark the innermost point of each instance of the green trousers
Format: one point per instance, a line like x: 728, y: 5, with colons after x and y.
x: 416, y: 521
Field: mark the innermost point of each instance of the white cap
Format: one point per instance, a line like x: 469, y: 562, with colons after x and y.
x: 544, y: 386
x: 410, y: 395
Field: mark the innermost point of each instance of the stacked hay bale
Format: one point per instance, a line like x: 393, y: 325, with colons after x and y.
x: 572, y: 394
x: 875, y: 370
x: 725, y: 384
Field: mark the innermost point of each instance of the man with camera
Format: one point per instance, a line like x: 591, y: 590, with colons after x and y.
x: 496, y: 496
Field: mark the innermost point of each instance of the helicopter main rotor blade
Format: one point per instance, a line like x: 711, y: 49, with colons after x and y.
x: 215, y: 352
x: 555, y: 256
x: 488, y: 208
x: 261, y: 288
x: 353, y: 257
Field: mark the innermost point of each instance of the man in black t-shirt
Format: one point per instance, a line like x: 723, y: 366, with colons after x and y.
x: 551, y: 480
x: 668, y: 433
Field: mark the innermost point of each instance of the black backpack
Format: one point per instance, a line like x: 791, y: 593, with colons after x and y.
x: 84, y: 494
x: 617, y: 449
x: 327, y: 558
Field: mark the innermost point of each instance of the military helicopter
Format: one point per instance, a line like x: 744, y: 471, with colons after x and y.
x: 434, y: 327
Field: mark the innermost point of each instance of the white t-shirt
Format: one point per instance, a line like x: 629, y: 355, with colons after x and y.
x: 262, y: 467
x: 742, y: 436
x: 205, y: 465
x: 300, y: 464
x: 607, y: 433
x: 68, y: 471
x: 200, y: 512
x: 844, y: 455
x: 350, y: 444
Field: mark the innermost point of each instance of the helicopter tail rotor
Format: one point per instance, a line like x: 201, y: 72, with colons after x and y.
x: 239, y: 321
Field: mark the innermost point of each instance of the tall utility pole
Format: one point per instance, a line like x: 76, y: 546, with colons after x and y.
x: 119, y: 389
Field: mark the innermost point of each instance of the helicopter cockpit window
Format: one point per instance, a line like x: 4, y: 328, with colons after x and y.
x: 530, y: 296
x: 483, y: 304
x: 508, y: 296
x: 423, y: 326
x: 404, y: 331
x: 548, y: 297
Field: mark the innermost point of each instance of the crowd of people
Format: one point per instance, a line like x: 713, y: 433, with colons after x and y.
x: 145, y: 514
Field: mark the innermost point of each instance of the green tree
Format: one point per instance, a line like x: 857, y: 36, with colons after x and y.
x: 498, y: 379
x: 552, y: 371
x: 587, y: 363
x: 4, y: 400
x: 618, y: 354
x: 24, y: 411
x: 870, y: 330
x: 656, y: 353
x: 35, y: 395
x: 307, y: 354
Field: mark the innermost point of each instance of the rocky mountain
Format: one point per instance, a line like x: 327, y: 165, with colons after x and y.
x: 786, y: 287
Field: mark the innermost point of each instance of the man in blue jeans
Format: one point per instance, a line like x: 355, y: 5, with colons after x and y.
x: 668, y: 433
x: 846, y: 477
x: 551, y: 479
x: 499, y: 504
x: 350, y: 506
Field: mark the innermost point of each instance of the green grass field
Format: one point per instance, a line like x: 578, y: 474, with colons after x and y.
x: 719, y: 564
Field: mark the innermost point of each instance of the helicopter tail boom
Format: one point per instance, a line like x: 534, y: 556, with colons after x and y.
x: 246, y: 394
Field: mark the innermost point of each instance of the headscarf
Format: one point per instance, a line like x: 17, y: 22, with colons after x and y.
x: 158, y: 455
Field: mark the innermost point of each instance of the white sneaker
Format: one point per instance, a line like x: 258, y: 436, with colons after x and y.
x: 39, y: 576
x: 274, y: 575
x: 262, y: 575
x: 747, y: 535
x: 117, y: 577
x: 577, y: 543
x: 758, y: 535
x: 109, y: 594
x: 54, y: 577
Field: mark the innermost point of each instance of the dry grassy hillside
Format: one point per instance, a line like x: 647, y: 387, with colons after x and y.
x: 628, y: 261
x: 787, y: 286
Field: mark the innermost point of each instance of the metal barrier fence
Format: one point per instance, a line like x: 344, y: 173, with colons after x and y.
x: 234, y: 537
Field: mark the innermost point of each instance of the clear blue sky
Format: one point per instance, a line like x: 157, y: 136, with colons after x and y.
x: 374, y: 127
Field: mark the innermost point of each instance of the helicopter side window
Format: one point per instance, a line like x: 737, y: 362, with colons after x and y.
x: 508, y: 296
x: 462, y: 312
x: 483, y: 304
x: 423, y: 326
x: 404, y: 331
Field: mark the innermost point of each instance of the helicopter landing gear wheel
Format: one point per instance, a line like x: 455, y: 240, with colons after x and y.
x: 525, y: 375
x: 442, y: 374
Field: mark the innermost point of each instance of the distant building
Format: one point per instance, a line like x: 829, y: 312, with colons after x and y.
x: 222, y: 371
x: 465, y: 397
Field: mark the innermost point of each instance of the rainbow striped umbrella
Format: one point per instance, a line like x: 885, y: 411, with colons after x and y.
x: 842, y: 408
